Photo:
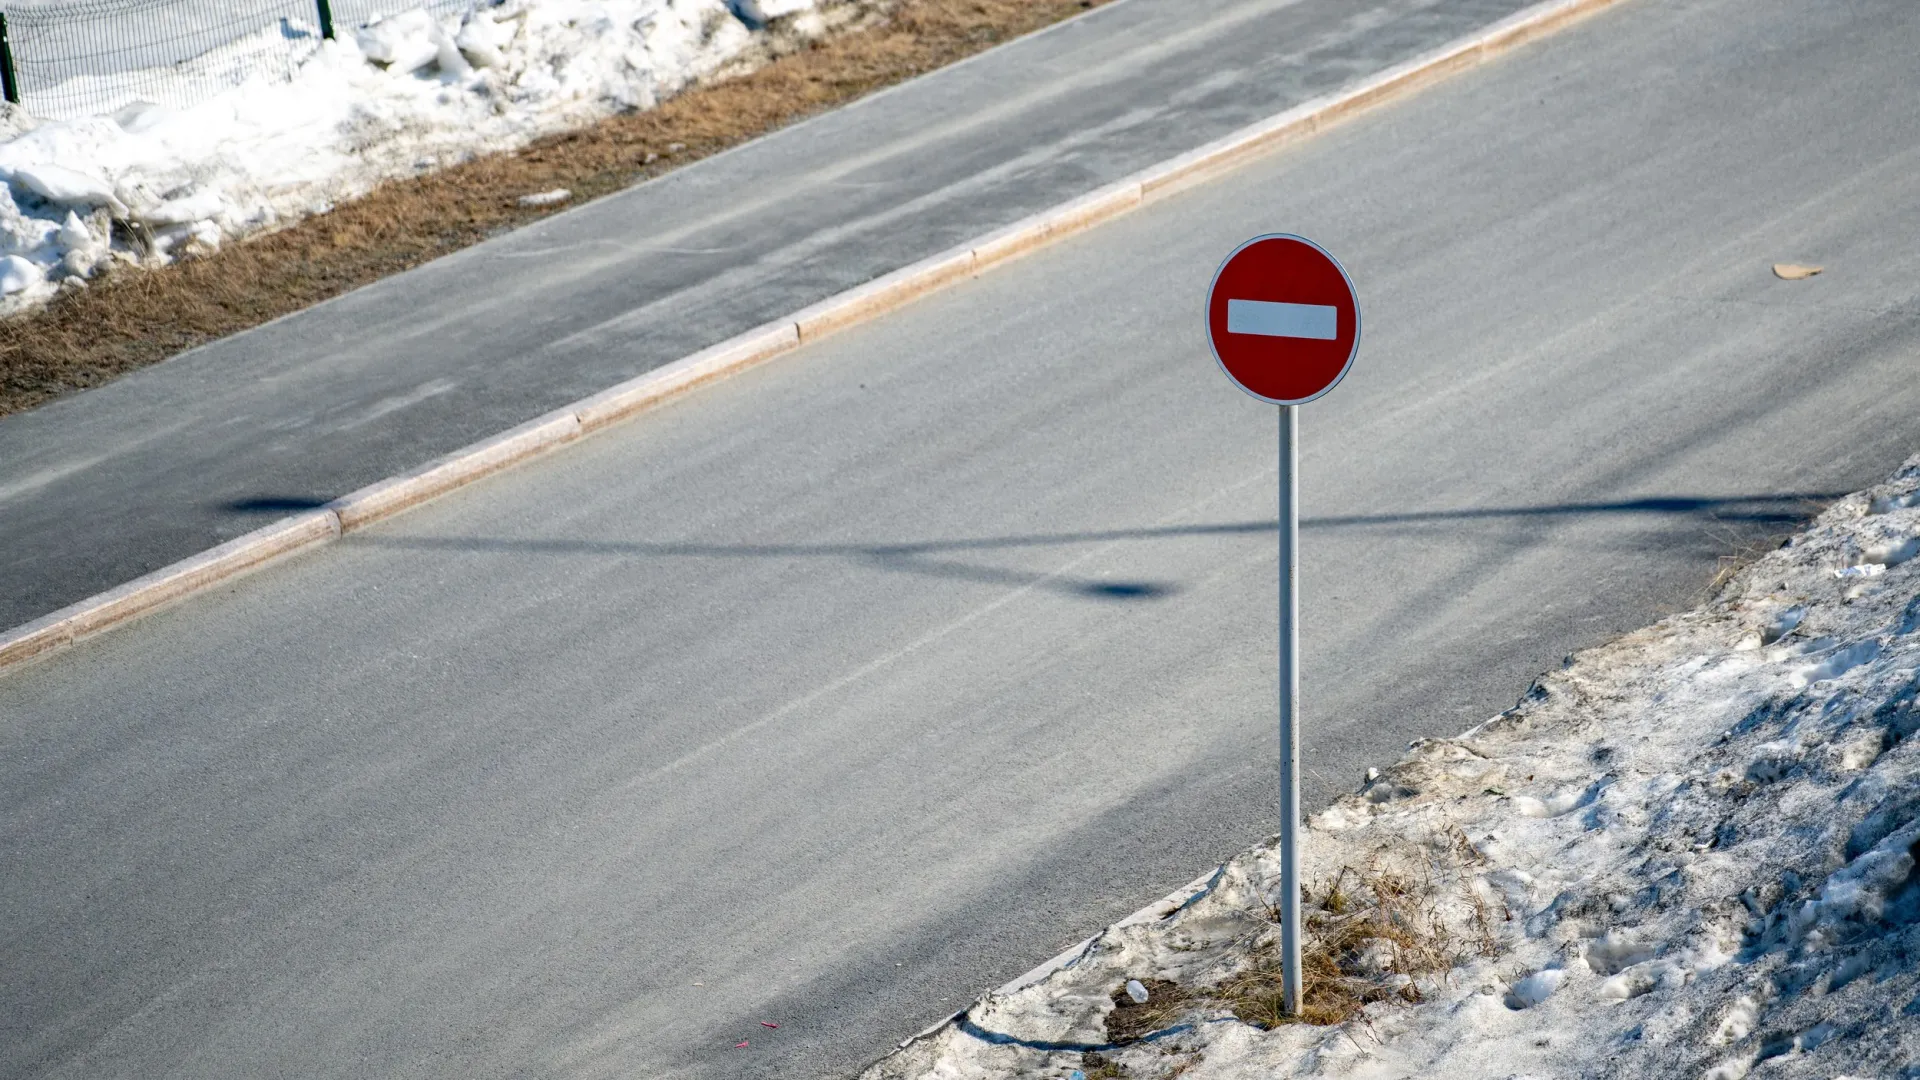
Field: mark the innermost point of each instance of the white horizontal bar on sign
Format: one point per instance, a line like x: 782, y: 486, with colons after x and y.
x: 1269, y: 319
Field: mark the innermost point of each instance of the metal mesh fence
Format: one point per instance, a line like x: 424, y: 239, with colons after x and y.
x: 352, y: 13
x: 70, y: 58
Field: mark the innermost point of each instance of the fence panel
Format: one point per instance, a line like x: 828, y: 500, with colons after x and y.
x: 351, y: 13
x: 73, y: 58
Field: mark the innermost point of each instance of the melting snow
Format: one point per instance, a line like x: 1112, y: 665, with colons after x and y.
x: 1697, y: 844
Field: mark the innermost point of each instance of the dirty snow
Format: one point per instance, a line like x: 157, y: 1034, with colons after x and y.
x: 146, y: 183
x: 1690, y: 853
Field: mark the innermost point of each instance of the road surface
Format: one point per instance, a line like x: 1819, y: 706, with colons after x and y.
x: 844, y: 689
x: 104, y: 486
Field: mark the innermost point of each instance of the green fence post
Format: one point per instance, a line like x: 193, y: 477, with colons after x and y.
x: 8, y: 83
x: 326, y: 19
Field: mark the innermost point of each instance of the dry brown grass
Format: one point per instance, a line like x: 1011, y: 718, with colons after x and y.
x: 1392, y: 915
x: 1371, y: 934
x: 132, y: 318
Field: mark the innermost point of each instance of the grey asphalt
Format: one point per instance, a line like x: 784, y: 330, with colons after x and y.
x: 844, y: 689
x: 105, y: 486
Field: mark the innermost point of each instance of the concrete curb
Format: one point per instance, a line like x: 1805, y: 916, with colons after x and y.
x: 391, y: 496
x: 168, y: 584
x: 619, y: 402
x: 388, y: 497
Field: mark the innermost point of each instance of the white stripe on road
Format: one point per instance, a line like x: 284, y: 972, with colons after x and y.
x: 1283, y: 320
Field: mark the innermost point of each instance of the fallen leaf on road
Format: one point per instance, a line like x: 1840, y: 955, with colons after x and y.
x: 1794, y: 271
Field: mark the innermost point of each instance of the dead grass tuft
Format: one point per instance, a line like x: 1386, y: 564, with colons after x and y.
x: 131, y: 318
x: 1371, y: 933
x: 1098, y: 1066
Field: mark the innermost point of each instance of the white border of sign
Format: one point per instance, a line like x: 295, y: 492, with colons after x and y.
x: 1206, y: 317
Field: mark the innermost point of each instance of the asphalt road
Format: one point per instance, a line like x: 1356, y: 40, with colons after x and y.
x: 107, y: 485
x: 846, y: 688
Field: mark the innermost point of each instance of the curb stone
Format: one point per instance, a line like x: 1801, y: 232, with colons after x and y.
x: 177, y: 581
x: 396, y: 494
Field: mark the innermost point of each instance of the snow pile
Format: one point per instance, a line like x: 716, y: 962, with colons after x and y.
x: 402, y: 95
x: 1690, y: 853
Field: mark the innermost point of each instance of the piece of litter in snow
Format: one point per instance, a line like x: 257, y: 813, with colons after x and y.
x: 1795, y: 271
x: 1137, y: 992
x: 1872, y: 569
x: 765, y: 1024
x: 546, y: 198
x: 1076, y: 1075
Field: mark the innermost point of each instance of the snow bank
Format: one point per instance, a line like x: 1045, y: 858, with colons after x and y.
x: 393, y: 98
x: 1690, y: 853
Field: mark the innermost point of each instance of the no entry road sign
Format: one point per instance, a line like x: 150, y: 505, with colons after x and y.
x: 1282, y: 318
x: 1284, y: 324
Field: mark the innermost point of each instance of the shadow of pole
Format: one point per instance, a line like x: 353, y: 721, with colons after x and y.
x: 919, y: 557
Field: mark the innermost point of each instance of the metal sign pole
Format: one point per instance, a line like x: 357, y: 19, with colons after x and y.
x: 1289, y: 705
x: 1284, y: 324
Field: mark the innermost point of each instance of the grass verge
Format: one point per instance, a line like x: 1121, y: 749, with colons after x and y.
x: 1372, y: 933
x: 131, y: 318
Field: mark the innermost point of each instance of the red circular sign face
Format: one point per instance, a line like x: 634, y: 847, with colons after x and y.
x: 1282, y: 319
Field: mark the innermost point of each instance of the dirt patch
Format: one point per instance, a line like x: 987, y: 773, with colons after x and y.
x: 1130, y: 1021
x: 131, y: 318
